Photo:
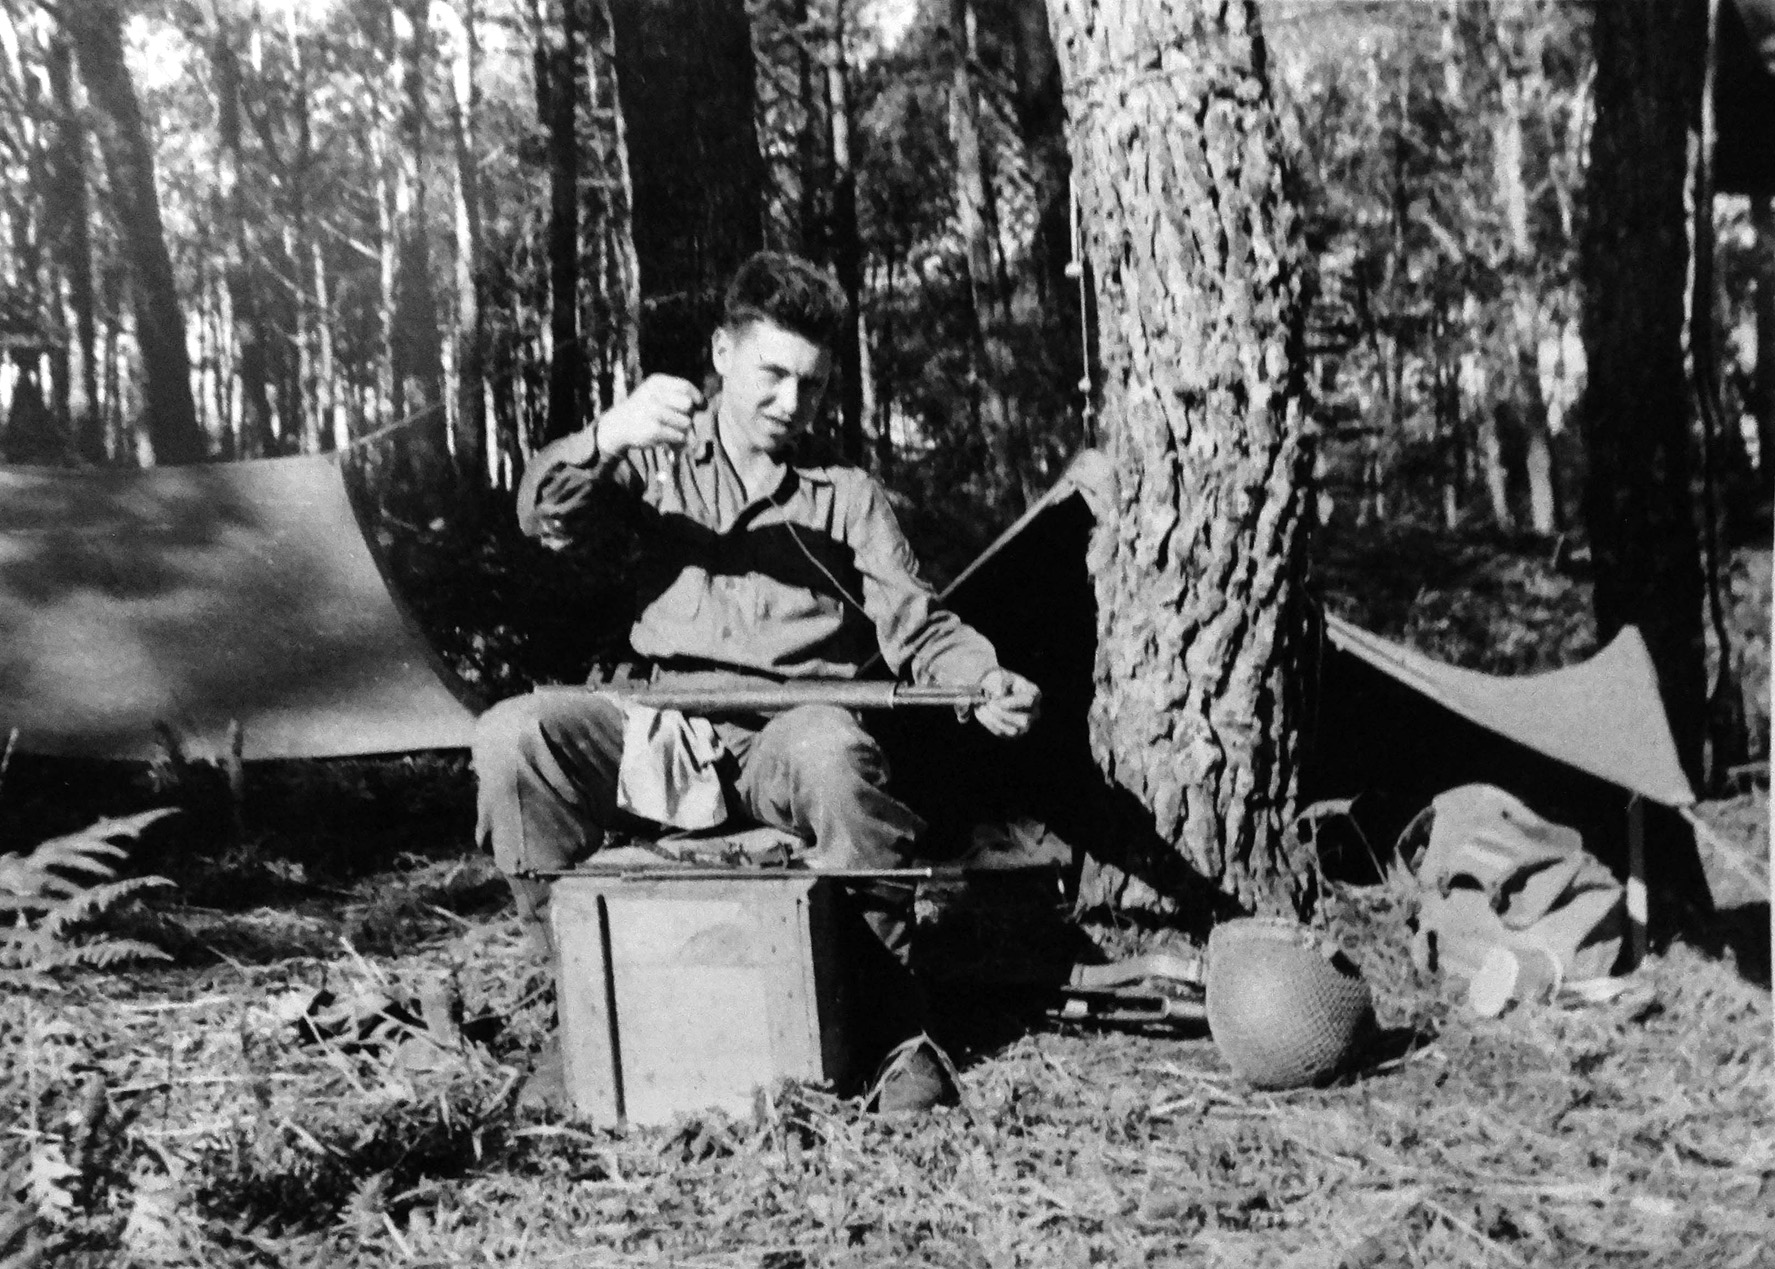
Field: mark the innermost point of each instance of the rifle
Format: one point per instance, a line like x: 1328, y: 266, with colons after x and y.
x: 767, y: 698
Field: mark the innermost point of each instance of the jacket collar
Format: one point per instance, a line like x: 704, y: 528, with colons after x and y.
x: 701, y: 449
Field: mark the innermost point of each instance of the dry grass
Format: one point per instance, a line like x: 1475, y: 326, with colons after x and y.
x: 176, y: 1116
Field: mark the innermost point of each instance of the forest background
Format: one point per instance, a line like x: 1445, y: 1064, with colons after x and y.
x: 233, y: 230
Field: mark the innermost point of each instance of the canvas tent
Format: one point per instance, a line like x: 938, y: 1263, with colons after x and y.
x: 200, y: 596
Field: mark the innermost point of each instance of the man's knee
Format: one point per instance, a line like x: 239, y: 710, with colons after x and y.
x: 502, y: 734
x: 828, y: 739
x: 518, y: 730
x: 545, y: 765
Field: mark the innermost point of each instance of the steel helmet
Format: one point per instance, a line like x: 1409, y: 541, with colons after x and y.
x: 1282, y: 1012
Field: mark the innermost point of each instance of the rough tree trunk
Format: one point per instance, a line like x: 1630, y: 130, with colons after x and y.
x: 1633, y: 258
x: 171, y: 413
x: 1194, y: 248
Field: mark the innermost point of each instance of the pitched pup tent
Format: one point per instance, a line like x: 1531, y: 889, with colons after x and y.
x: 200, y: 596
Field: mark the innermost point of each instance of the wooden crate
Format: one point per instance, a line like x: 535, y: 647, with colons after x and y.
x: 688, y: 994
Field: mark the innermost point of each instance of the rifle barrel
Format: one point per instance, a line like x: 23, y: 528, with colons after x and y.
x: 766, y: 698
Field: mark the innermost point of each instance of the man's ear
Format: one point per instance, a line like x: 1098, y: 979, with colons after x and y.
x: 721, y: 349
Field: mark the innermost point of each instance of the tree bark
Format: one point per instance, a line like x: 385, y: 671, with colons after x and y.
x: 1633, y: 260
x: 1194, y: 247
x: 171, y: 413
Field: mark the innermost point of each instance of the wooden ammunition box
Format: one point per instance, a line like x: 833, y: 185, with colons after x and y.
x: 681, y: 995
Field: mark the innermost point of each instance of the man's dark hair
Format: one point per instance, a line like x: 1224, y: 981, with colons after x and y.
x: 786, y: 291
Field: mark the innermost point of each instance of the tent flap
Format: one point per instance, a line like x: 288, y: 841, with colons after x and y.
x: 1603, y: 716
x: 198, y: 596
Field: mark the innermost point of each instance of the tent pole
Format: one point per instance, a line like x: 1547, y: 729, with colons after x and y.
x: 1636, y: 878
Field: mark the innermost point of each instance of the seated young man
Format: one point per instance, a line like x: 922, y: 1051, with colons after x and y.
x: 757, y: 571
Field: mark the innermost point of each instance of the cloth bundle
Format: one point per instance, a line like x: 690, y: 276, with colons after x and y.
x: 1512, y: 902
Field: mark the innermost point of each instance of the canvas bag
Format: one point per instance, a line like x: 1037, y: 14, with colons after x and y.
x: 1496, y: 875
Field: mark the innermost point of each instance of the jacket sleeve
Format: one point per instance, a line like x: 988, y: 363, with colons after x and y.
x: 918, y: 637
x: 568, y: 489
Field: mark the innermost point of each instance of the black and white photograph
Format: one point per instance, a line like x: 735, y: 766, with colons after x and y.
x: 845, y: 634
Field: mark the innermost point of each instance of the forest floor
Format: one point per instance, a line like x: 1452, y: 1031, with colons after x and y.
x: 215, y: 1110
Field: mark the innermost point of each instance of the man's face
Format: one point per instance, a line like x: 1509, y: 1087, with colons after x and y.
x: 771, y: 384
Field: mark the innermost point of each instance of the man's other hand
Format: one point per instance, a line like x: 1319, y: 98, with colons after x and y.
x: 659, y: 412
x: 1012, y: 703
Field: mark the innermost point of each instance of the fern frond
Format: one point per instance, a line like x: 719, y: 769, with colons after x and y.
x: 129, y: 825
x: 90, y: 903
x: 90, y: 853
x: 102, y: 954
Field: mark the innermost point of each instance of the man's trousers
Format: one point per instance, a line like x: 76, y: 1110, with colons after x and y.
x: 548, y: 763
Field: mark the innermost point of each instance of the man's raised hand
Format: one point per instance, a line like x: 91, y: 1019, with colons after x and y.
x: 659, y: 412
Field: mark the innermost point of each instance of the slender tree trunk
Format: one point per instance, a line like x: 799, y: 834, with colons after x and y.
x: 1638, y: 499
x: 71, y: 215
x: 1194, y: 246
x: 610, y: 285
x: 253, y: 429
x: 471, y: 334
x: 991, y: 367
x: 390, y: 403
x: 95, y: 30
x: 1044, y: 294
x: 1494, y: 423
x: 1523, y: 325
x: 329, y: 392
x: 418, y: 365
x: 885, y: 382
x: 302, y: 405
x: 973, y: 193
x: 562, y: 36
x: 812, y: 144
x: 1763, y: 398
x: 846, y: 243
